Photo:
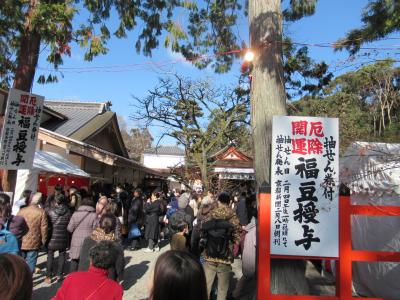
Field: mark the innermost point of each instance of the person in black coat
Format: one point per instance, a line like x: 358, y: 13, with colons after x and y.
x: 135, y: 216
x: 59, y: 217
x: 152, y: 210
x: 241, y: 210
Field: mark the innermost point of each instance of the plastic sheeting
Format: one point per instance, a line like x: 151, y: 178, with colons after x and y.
x: 371, y: 168
x: 44, y: 162
x: 372, y: 172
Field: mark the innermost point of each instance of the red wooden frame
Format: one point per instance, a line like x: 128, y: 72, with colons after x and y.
x: 346, y: 254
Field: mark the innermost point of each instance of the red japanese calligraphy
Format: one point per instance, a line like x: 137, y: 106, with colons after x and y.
x: 299, y: 127
x: 24, y: 99
x: 314, y: 146
x: 32, y: 101
x: 299, y: 146
x: 23, y: 109
x: 316, y: 129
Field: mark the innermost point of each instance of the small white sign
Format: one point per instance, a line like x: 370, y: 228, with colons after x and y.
x: 20, y: 130
x: 305, y: 186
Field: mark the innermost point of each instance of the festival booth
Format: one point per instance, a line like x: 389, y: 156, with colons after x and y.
x: 372, y: 173
x: 48, y: 170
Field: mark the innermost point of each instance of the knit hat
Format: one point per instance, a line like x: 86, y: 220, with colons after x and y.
x: 183, y: 200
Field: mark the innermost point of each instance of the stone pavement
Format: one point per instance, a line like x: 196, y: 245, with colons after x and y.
x: 136, y: 277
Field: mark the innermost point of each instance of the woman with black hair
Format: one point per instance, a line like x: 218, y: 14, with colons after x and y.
x: 178, y: 275
x: 59, y: 217
x: 135, y: 216
x: 152, y: 210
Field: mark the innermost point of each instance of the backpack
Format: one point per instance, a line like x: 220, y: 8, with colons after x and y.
x: 216, y: 236
x: 8, y: 241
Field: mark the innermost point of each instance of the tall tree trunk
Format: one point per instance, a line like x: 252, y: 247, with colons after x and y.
x: 268, y: 98
x: 28, y: 56
x: 204, y: 170
x: 27, y: 61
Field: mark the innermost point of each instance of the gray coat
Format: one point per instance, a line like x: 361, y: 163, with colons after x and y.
x: 81, y: 225
x: 250, y: 250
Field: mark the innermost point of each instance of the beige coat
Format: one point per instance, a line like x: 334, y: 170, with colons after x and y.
x: 36, y: 219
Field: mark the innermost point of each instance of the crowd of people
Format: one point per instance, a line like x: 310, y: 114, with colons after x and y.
x: 205, y: 232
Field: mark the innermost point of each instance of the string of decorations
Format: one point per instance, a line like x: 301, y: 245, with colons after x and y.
x: 248, y: 55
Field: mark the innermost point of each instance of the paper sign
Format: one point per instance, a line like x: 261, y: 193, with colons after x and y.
x: 20, y: 130
x: 305, y: 186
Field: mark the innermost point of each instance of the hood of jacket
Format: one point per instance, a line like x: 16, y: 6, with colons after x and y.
x: 99, y: 235
x: 222, y: 212
x: 61, y: 209
x: 251, y: 225
x: 86, y: 208
x: 205, y: 209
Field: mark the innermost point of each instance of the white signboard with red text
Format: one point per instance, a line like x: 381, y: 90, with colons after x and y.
x: 20, y: 130
x: 305, y: 186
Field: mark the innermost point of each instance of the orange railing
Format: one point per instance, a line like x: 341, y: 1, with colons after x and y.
x: 346, y: 254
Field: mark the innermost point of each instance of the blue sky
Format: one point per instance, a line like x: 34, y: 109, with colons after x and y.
x: 333, y: 19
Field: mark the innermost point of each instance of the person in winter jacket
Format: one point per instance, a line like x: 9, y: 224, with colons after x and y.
x: 218, y: 253
x: 135, y: 216
x: 50, y: 203
x: 207, y: 204
x: 193, y: 204
x: 59, y: 217
x: 17, y: 224
x: 241, y: 210
x: 152, y: 210
x: 36, y: 219
x: 93, y: 284
x: 184, y: 212
x: 81, y: 225
x: 105, y: 232
x: 247, y: 286
x: 122, y: 199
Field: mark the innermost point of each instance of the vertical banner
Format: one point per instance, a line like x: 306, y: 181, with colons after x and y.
x: 20, y: 130
x: 305, y: 186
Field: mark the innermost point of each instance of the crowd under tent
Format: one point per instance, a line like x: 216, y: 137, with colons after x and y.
x: 48, y: 170
x: 372, y: 173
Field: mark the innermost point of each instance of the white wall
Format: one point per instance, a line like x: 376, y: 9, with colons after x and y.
x: 162, y: 161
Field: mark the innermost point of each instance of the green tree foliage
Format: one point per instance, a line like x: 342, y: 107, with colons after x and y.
x: 380, y: 18
x: 366, y: 101
x: 54, y: 23
x: 211, y: 28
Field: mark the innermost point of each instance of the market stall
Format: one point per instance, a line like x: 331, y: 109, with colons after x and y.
x: 48, y: 170
x: 372, y: 173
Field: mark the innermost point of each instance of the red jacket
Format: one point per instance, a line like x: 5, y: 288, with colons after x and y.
x: 90, y: 285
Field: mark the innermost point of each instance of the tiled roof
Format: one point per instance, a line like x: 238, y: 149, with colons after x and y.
x: 78, y: 114
x: 166, y: 150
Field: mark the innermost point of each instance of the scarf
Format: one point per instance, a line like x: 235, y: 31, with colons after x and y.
x: 99, y: 235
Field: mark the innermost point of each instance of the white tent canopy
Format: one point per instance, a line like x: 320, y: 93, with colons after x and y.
x: 372, y: 173
x: 371, y: 168
x: 44, y: 162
